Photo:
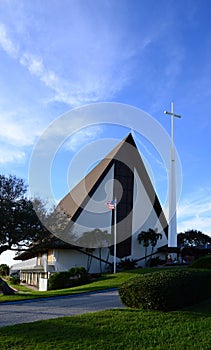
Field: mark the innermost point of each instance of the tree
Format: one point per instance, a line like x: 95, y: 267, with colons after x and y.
x: 149, y: 237
x: 193, y: 238
x: 144, y: 237
x: 19, y: 224
x: 95, y: 239
x: 4, y: 270
x: 154, y: 237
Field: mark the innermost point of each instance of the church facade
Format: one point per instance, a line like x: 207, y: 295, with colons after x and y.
x: 89, y: 230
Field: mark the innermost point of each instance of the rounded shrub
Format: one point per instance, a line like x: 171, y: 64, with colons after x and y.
x: 79, y: 275
x: 59, y: 280
x: 166, y: 290
x: 77, y: 271
x: 127, y: 264
x: 15, y: 279
x: 202, y: 263
x: 75, y: 276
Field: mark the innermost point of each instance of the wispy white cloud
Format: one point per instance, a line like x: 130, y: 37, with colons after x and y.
x: 74, y: 91
x: 90, y: 83
x: 11, y: 155
x: 17, y: 131
x: 94, y: 61
x: 82, y: 137
x: 195, y: 211
x: 6, y: 43
x: 34, y: 64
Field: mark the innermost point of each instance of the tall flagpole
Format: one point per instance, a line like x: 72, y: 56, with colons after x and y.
x: 172, y: 231
x: 115, y: 236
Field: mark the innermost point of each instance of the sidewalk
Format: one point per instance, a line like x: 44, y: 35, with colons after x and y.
x: 29, y: 286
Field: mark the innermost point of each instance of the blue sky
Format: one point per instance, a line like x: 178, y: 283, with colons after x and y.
x: 56, y: 55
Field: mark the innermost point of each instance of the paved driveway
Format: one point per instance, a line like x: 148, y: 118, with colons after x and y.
x: 30, y: 311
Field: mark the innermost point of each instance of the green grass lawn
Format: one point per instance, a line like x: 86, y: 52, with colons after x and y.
x: 115, y: 329
x: 104, y: 282
x: 112, y: 329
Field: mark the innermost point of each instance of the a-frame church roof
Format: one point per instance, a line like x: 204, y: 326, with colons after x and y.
x: 126, y: 152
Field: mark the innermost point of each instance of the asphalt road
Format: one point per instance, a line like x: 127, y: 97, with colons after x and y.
x: 42, y: 309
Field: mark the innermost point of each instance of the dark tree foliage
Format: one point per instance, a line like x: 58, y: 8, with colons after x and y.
x: 95, y: 239
x: 19, y: 224
x: 4, y: 270
x: 193, y: 238
x: 149, y: 237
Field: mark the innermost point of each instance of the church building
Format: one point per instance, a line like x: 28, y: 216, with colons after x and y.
x: 88, y: 228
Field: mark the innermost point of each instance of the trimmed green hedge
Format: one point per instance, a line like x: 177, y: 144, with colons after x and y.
x: 75, y: 276
x: 166, y: 290
x: 15, y: 279
x: 127, y: 264
x: 202, y: 263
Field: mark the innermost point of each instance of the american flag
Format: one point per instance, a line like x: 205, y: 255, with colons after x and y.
x: 111, y: 204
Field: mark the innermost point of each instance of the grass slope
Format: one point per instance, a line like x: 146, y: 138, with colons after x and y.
x: 115, y: 329
x: 105, y: 282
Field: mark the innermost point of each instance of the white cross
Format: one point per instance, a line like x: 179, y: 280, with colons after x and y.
x: 172, y: 230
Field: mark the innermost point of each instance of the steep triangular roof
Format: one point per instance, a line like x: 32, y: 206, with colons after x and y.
x: 126, y: 151
x: 88, y: 184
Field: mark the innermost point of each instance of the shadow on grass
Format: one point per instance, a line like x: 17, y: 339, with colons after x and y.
x: 202, y: 308
x: 93, y: 330
x: 112, y: 329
